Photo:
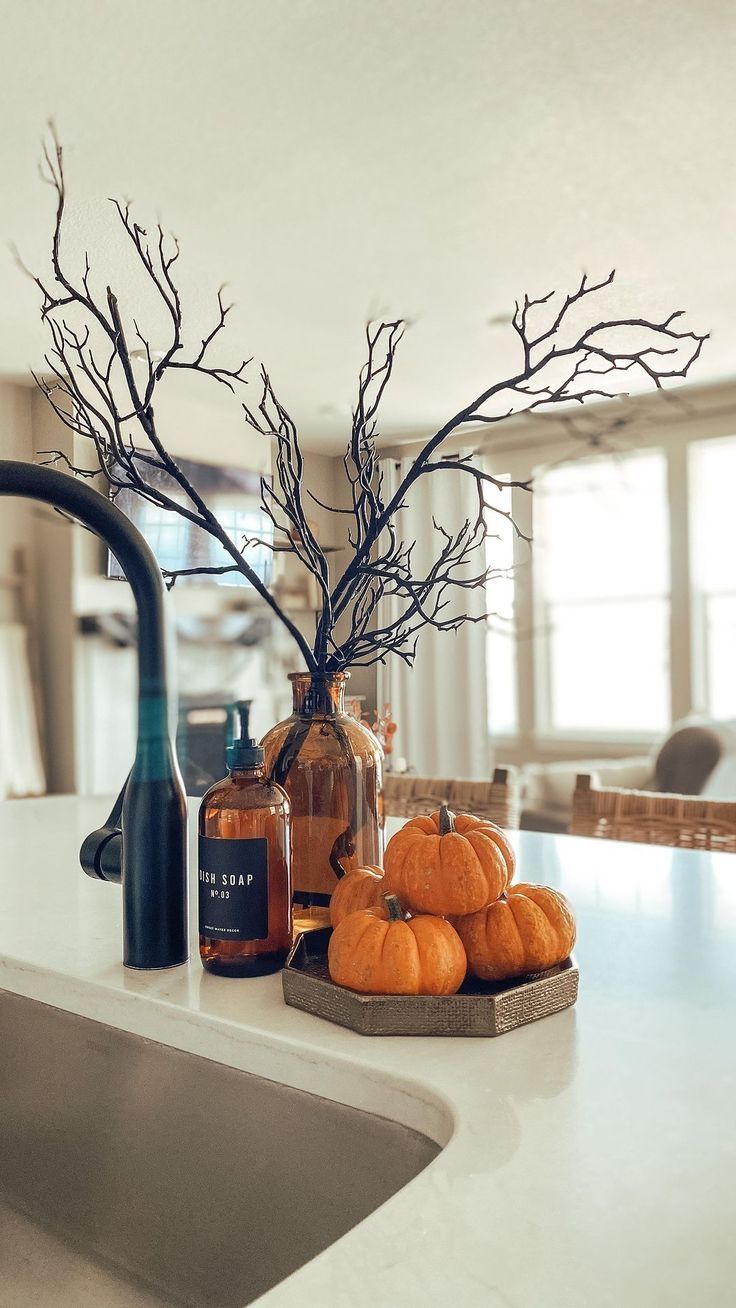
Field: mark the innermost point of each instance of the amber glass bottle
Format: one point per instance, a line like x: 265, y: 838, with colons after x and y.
x: 331, y: 768
x: 244, y: 866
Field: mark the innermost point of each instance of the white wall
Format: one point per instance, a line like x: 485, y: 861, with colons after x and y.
x: 22, y: 765
x: 16, y: 530
x: 55, y: 617
x: 202, y: 420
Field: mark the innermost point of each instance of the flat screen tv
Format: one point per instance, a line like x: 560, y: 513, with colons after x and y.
x: 233, y: 494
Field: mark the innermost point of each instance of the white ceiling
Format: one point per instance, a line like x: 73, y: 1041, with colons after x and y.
x: 332, y: 159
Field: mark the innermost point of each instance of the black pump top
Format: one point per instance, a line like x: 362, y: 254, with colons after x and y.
x: 245, y: 752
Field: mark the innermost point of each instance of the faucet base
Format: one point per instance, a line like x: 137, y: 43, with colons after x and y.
x: 165, y: 967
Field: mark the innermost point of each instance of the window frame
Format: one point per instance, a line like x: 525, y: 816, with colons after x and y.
x: 544, y: 728
x: 698, y: 598
x: 673, y: 433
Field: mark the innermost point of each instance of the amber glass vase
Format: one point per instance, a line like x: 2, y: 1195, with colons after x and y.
x: 331, y: 768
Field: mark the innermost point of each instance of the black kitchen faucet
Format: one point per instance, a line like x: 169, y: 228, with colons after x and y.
x: 143, y: 844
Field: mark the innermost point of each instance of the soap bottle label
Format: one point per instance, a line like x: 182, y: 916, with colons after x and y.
x: 233, y: 888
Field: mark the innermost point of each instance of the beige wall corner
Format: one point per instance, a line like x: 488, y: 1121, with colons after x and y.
x: 54, y: 552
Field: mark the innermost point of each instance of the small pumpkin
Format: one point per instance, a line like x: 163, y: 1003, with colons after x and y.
x: 361, y: 888
x: 531, y: 930
x: 381, y: 952
x: 448, y: 865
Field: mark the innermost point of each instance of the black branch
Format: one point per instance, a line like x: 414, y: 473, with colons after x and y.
x: 101, y: 379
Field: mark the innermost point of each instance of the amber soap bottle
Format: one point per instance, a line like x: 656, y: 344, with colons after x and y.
x: 244, y: 866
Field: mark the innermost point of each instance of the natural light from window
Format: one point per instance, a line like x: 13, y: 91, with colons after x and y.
x: 713, y: 574
x: 601, y: 563
x: 166, y: 533
x: 500, y: 640
x: 243, y: 522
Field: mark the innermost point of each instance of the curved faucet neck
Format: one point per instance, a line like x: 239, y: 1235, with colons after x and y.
x: 88, y: 506
x: 151, y: 813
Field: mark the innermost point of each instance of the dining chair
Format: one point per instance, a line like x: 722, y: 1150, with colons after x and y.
x: 497, y: 800
x: 684, y: 821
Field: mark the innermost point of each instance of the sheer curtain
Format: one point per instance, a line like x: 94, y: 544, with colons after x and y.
x: 440, y: 705
x: 21, y: 765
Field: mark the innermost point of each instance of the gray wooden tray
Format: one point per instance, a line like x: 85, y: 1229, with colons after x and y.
x: 480, y: 1008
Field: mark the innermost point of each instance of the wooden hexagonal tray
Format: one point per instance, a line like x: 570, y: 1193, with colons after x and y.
x: 480, y: 1008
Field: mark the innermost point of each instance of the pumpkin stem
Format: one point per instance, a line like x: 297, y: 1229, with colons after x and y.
x: 447, y: 821
x: 395, y: 911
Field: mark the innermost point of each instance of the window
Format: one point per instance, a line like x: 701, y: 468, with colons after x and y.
x: 500, y: 638
x: 601, y: 565
x: 242, y: 520
x: 234, y: 495
x: 166, y: 533
x: 713, y: 573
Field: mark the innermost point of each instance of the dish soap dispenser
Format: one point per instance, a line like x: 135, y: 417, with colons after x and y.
x: 245, y: 923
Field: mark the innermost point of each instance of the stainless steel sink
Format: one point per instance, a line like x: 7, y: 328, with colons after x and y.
x: 133, y: 1174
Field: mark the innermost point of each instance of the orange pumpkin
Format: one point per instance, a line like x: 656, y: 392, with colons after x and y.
x: 531, y: 930
x: 448, y: 865
x: 380, y: 952
x: 361, y: 888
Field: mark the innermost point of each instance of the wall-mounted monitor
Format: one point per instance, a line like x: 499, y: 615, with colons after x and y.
x: 233, y: 495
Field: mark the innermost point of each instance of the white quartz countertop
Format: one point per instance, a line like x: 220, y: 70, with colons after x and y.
x: 589, y: 1159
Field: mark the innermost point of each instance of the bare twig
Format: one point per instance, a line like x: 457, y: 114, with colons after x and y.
x: 105, y: 392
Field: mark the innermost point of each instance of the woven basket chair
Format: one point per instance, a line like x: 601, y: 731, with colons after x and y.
x: 497, y: 800
x: 684, y: 821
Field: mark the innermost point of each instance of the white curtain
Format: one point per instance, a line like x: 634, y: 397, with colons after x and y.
x: 439, y: 705
x: 21, y: 766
